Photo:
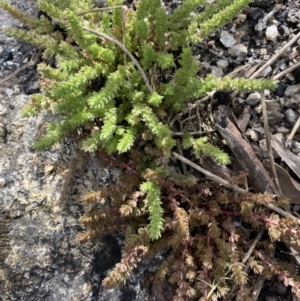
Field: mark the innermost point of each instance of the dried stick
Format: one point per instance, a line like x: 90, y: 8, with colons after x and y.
x: 257, y: 287
x: 96, y: 10
x: 243, y: 152
x: 268, y: 139
x: 179, y: 149
x: 293, y: 132
x: 256, y: 240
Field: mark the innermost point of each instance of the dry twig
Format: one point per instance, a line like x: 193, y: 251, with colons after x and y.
x: 292, y: 134
x: 268, y: 139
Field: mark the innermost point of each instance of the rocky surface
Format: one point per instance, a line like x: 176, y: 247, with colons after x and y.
x: 40, y: 201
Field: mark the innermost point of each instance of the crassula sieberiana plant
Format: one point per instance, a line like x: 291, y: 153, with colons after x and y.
x: 120, y: 74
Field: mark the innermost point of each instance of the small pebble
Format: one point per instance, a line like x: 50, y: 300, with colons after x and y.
x: 283, y: 130
x: 282, y: 66
x: 286, y: 30
x: 2, y: 182
x: 279, y: 89
x: 282, y: 15
x: 238, y: 50
x: 216, y: 71
x: 296, y: 144
x: 260, y: 129
x: 274, y: 112
x: 242, y: 17
x: 258, y: 109
x: 33, y: 88
x: 291, y: 116
x: 9, y: 92
x: 256, y: 13
x: 296, y: 150
x: 222, y: 64
x: 6, y: 54
x: 241, y: 100
x: 254, y: 136
x: 253, y: 98
x: 17, y: 90
x: 227, y: 39
x: 272, y: 33
x: 279, y: 137
x: 267, y: 71
x: 267, y: 93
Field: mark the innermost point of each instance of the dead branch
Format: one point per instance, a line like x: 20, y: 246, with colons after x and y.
x: 244, y: 153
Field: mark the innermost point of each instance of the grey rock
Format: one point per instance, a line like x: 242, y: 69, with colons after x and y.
x: 267, y: 71
x: 291, y: 116
x: 294, y: 16
x: 285, y: 29
x: 227, y: 39
x: 296, y: 144
x: 282, y: 66
x: 258, y: 109
x: 256, y: 13
x: 9, y: 92
x: 238, y: 50
x: 283, y: 130
x: 253, y: 135
x: 17, y: 90
x: 261, y: 25
x: 33, y: 88
x: 272, y: 33
x: 222, y: 64
x: 216, y: 71
x: 6, y: 54
x: 264, y: 148
x: 292, y: 96
x: 253, y: 98
x: 279, y: 137
x: 274, y: 112
x: 259, y: 128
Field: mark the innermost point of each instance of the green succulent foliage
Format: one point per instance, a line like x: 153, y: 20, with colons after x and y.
x: 123, y: 107
x: 153, y: 203
x: 201, y: 147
